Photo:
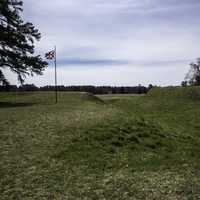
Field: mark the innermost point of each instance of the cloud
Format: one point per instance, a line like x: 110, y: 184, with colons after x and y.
x: 106, y: 63
x: 89, y: 62
x: 157, y: 73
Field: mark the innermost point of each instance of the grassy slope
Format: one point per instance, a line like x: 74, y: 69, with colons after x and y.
x: 130, y: 147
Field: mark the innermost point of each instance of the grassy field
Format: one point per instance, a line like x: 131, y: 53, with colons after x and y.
x: 100, y: 147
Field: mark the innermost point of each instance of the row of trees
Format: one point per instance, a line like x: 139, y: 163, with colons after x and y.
x: 92, y: 89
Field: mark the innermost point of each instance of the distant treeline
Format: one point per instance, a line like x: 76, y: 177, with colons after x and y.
x: 92, y: 89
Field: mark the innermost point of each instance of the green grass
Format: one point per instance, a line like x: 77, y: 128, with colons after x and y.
x: 104, y: 147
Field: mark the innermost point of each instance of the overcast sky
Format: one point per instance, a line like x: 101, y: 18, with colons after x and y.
x: 116, y: 42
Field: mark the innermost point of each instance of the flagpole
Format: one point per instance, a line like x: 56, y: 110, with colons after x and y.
x: 56, y: 87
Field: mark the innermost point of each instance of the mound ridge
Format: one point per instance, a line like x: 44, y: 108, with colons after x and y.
x: 127, y: 134
x: 90, y: 97
x: 192, y: 92
x: 116, y: 136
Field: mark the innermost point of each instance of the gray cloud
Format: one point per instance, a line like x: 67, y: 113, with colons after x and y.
x: 93, y: 62
x: 107, y: 63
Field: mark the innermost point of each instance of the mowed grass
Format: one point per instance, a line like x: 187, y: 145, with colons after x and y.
x: 100, y: 147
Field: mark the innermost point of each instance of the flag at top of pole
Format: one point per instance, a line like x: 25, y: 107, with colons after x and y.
x: 50, y: 56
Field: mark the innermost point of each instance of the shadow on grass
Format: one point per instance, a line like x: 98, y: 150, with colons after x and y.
x: 12, y: 104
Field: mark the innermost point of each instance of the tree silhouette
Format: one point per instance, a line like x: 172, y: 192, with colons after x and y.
x: 193, y: 76
x: 17, y: 43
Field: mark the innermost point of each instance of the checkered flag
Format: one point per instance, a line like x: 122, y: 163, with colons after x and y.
x: 50, y: 55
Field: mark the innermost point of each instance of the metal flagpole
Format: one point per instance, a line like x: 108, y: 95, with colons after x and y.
x: 56, y: 87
